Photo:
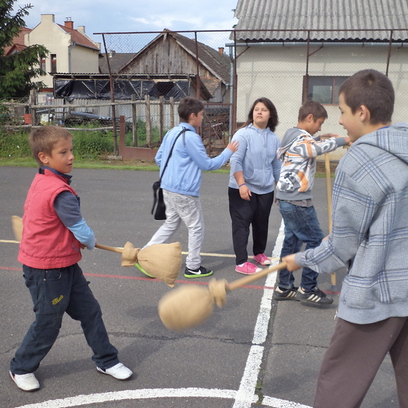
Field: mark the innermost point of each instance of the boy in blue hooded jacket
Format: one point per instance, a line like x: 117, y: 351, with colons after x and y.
x: 182, y: 180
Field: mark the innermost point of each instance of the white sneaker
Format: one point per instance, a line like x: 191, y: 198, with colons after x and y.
x: 118, y: 371
x: 26, y: 382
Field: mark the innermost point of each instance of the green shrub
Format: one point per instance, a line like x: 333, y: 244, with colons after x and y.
x: 89, y: 145
x: 141, y: 134
x: 14, y: 144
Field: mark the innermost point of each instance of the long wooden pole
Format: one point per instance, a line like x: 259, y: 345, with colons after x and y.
x: 329, y: 204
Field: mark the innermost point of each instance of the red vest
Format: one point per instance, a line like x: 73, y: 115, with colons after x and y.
x: 46, y: 243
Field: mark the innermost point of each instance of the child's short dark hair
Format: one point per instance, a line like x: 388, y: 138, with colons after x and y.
x: 273, y: 119
x: 372, y: 89
x: 312, y: 107
x: 44, y: 139
x: 189, y: 105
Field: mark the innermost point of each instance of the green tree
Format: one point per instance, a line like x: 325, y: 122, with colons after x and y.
x: 19, y: 70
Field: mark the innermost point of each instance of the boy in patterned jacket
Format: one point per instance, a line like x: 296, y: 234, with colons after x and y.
x: 53, y: 235
x: 298, y: 151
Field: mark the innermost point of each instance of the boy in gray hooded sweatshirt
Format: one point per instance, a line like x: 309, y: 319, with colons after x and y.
x: 370, y: 238
x: 298, y: 151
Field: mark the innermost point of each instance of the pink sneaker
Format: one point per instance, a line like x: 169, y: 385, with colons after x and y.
x: 247, y: 268
x: 262, y: 259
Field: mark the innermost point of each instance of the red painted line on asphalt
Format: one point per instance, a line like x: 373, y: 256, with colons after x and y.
x: 6, y: 268
x: 188, y: 282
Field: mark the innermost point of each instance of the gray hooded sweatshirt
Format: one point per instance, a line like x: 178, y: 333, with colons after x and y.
x: 370, y: 228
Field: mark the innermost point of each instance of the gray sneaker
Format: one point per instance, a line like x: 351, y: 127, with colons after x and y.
x: 118, y: 371
x: 26, y: 382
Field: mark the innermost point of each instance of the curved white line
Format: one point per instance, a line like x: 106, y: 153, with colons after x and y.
x: 82, y: 400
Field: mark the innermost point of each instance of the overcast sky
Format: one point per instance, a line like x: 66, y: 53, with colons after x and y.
x: 103, y: 16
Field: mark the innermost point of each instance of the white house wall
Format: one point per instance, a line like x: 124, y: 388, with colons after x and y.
x: 70, y: 57
x: 83, y: 60
x: 276, y: 72
x: 56, y: 40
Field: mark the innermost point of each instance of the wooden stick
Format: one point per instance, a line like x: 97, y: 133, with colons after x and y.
x: 17, y: 224
x: 109, y: 248
x: 328, y: 189
x: 329, y: 203
x: 251, y: 278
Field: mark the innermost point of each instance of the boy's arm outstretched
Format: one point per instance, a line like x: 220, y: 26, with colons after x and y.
x: 311, y: 147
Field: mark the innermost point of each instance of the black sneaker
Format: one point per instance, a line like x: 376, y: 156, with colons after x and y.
x: 285, y: 294
x: 197, y: 273
x: 314, y: 296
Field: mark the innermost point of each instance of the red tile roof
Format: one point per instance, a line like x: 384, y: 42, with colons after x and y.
x: 18, y: 42
x: 78, y: 38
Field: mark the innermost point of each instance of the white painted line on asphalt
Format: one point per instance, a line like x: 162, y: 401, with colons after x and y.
x: 249, y: 380
x: 82, y: 400
x: 278, y: 403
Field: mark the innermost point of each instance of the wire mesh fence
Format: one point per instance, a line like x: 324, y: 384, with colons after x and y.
x: 143, y: 75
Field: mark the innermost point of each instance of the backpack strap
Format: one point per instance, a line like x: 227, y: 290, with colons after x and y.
x: 171, y: 152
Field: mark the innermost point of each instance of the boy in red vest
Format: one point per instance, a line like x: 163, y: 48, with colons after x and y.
x: 53, y: 235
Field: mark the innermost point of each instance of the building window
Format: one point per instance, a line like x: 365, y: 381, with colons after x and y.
x: 324, y: 89
x: 53, y: 63
x: 42, y: 64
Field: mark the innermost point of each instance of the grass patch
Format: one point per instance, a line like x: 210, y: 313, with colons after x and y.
x: 91, y: 150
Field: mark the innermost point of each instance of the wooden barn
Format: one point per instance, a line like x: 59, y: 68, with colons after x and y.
x: 174, y: 54
x: 171, y: 65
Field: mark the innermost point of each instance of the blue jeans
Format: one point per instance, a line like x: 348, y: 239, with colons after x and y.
x: 54, y: 292
x: 301, y: 226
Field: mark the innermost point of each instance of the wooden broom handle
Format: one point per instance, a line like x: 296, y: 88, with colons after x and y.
x: 248, y: 279
x: 17, y: 223
x: 328, y: 189
x: 333, y: 277
x: 109, y: 248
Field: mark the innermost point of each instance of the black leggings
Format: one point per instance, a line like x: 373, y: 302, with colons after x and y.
x: 244, y: 213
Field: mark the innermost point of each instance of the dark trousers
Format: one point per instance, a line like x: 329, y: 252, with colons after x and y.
x: 353, y: 358
x: 54, y: 292
x: 244, y: 214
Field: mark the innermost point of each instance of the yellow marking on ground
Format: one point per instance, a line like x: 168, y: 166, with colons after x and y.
x: 10, y: 241
x: 227, y: 255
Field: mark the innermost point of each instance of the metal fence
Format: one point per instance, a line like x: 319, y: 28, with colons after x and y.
x: 287, y: 72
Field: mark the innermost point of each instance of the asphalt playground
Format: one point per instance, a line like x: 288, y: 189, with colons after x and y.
x: 254, y: 352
